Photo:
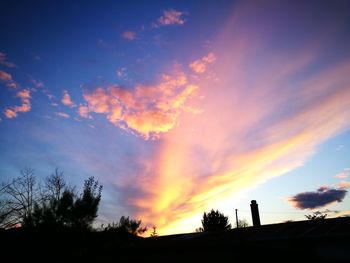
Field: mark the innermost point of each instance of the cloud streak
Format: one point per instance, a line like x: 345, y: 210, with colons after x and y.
x: 322, y: 197
x: 264, y: 113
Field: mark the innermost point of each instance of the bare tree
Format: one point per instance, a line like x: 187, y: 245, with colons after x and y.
x: 18, y: 199
x: 55, y: 185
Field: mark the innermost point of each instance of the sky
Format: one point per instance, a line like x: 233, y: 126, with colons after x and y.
x: 179, y: 107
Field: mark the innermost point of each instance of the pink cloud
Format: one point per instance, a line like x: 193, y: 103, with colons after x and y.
x: 83, y: 111
x: 343, y: 174
x: 129, y: 35
x: 171, y: 17
x: 11, y: 85
x: 200, y: 65
x: 25, y: 97
x: 146, y: 110
x: 66, y: 99
x: 10, y: 113
x: 4, y: 76
x: 62, y: 114
x: 5, y: 62
x: 344, y: 185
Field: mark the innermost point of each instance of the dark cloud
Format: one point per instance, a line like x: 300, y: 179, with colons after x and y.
x: 322, y: 197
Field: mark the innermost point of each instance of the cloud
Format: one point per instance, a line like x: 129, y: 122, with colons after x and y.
x: 200, y: 65
x: 343, y: 185
x: 7, y: 78
x: 66, y: 100
x: 4, y: 76
x: 5, y: 62
x: 146, y: 110
x: 171, y: 17
x: 83, y: 111
x: 24, y: 95
x: 129, y: 35
x: 62, y: 114
x: 121, y: 72
x: 264, y: 113
x: 38, y: 83
x: 10, y: 113
x: 322, y: 197
x: 343, y: 174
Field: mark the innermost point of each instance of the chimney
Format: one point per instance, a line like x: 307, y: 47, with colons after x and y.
x: 255, y: 213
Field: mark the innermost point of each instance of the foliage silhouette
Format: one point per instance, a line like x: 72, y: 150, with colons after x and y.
x: 214, y: 221
x: 316, y: 216
x: 154, y: 232
x: 55, y: 205
x: 131, y: 226
x: 18, y: 198
x: 242, y: 223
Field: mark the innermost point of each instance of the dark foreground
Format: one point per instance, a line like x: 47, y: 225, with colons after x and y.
x: 314, y: 241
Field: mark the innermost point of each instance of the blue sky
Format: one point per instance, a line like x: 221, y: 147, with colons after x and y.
x: 178, y: 107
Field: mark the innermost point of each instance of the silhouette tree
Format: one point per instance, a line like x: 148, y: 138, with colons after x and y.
x: 242, y: 223
x: 131, y: 226
x: 154, y: 232
x: 316, y: 216
x: 215, y: 221
x: 18, y: 199
x: 86, y: 206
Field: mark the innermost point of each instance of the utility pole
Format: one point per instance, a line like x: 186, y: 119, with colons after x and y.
x: 236, y: 218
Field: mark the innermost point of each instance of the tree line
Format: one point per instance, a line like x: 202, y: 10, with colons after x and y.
x: 53, y: 203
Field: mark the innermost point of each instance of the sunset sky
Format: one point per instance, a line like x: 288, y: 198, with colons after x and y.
x: 177, y: 107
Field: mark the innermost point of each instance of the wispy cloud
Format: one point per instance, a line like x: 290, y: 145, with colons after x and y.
x: 62, y: 114
x: 83, y: 111
x: 4, y: 76
x: 171, y: 17
x: 5, y: 62
x: 200, y: 65
x: 322, y: 197
x: 129, y: 35
x: 38, y: 83
x: 121, y: 72
x: 66, y: 100
x: 343, y: 174
x: 7, y: 78
x: 343, y: 185
x: 146, y: 110
x: 24, y: 95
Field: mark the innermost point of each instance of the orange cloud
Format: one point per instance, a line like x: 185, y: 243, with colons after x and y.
x: 146, y: 110
x: 129, y: 35
x: 4, y: 76
x: 25, y: 97
x: 200, y: 66
x: 83, y: 111
x: 66, y: 99
x: 171, y: 17
x: 343, y: 185
x: 10, y: 113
